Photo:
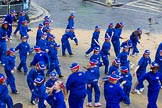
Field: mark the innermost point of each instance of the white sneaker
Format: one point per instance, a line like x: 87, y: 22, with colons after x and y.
x: 89, y: 104
x: 133, y: 55
x: 86, y: 55
x: 141, y: 90
x: 137, y: 91
x: 97, y: 104
x: 3, y: 64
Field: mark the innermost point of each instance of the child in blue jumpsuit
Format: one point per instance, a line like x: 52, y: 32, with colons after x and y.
x: 113, y: 93
x: 105, y: 52
x: 3, y: 45
x: 24, y: 29
x: 126, y: 82
x: 92, y: 77
x: 9, y: 69
x: 50, y: 82
x: 141, y: 69
x: 153, y: 78
x: 46, y: 25
x: 46, y: 18
x: 76, y: 85
x: 39, y: 56
x: 134, y: 37
x: 94, y: 40
x: 50, y: 40
x: 110, y: 30
x: 158, y: 50
x: 42, y: 43
x: 24, y: 49
x: 5, y: 98
x: 115, y: 38
x: 54, y: 61
x: 70, y: 21
x: 115, y: 66
x: 10, y: 18
x: 127, y: 43
x: 39, y: 92
x: 20, y: 19
x: 39, y: 33
x: 159, y: 61
x: 72, y: 33
x: 56, y: 99
x: 33, y: 73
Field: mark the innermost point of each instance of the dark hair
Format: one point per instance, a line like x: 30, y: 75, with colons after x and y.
x: 3, y: 26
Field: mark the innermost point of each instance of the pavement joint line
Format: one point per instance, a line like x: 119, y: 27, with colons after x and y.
x: 134, y: 2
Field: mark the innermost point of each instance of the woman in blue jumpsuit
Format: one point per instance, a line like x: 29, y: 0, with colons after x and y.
x: 5, y: 98
x: 76, y: 85
x: 153, y: 77
x: 115, y: 66
x: 110, y: 30
x: 70, y: 21
x: 116, y: 36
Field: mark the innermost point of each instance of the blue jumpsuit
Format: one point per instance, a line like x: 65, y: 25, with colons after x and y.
x: 96, y: 57
x: 158, y: 50
x: 9, y: 65
x: 123, y: 56
x: 153, y: 87
x: 76, y: 84
x: 24, y: 30
x: 159, y: 61
x: 113, y: 94
x: 23, y: 48
x: 9, y: 18
x: 93, y: 43
x: 3, y: 45
x: 109, y: 31
x: 113, y: 68
x: 128, y: 44
x: 42, y: 43
x: 104, y: 54
x: 115, y: 40
x: 142, y: 70
x: 92, y: 77
x: 70, y: 23
x: 54, y: 61
x: 32, y: 76
x: 41, y: 56
x: 56, y: 100
x: 135, y: 39
x: 40, y: 92
x: 38, y: 36
x: 20, y: 19
x: 50, y: 82
x: 66, y: 44
x: 4, y: 97
x: 127, y: 86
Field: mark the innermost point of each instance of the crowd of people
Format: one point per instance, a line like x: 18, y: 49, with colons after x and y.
x: 53, y: 92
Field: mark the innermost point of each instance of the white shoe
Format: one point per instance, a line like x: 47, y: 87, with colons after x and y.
x: 141, y: 90
x: 97, y: 104
x: 132, y: 65
x: 133, y: 55
x: 89, y: 104
x: 86, y: 55
x: 137, y: 53
x: 3, y: 64
x: 137, y: 91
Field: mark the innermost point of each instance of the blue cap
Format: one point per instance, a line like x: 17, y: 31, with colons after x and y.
x: 12, y: 50
x: 41, y: 65
x: 139, y: 30
x: 46, y: 17
x: 124, y: 69
x: 129, y: 43
x: 97, y: 27
x: 40, y: 25
x: 154, y: 65
x: 56, y: 45
x: 37, y: 48
x: 117, y: 61
x: 111, y: 25
x: 48, y: 28
x: 4, y: 22
x: 113, y: 77
x: 147, y: 52
x: 24, y: 37
x: 125, y: 47
x: 53, y: 74
x: 93, y: 62
x: 2, y: 78
x: 12, y: 11
x: 107, y: 37
x: 161, y: 50
x: 74, y: 66
x: 96, y: 49
x: 47, y: 22
x: 51, y: 36
x: 44, y: 33
x: 22, y: 12
x: 72, y: 14
x: 121, y: 24
x: 39, y: 79
x: 115, y: 72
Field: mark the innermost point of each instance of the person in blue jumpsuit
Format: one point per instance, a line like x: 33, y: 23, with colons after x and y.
x: 113, y: 93
x: 92, y: 77
x: 110, y: 30
x: 46, y: 18
x: 159, y: 61
x: 24, y: 49
x: 115, y: 66
x: 97, y: 56
x: 127, y: 43
x: 54, y: 61
x: 5, y: 98
x: 76, y: 85
x: 39, y: 56
x: 105, y: 52
x: 66, y: 44
x: 56, y: 100
x: 153, y: 78
x: 70, y: 21
x: 10, y: 18
x: 42, y: 43
x: 134, y: 37
x: 32, y: 75
x: 20, y: 19
x: 50, y: 82
x: 158, y: 50
x: 94, y: 41
x: 126, y: 82
x: 141, y: 69
x: 48, y: 31
x: 39, y: 92
x: 123, y: 56
x: 50, y: 40
x: 72, y: 34
x: 115, y: 38
x: 39, y: 33
x: 46, y: 26
x: 9, y: 69
x: 24, y: 29
x: 3, y: 45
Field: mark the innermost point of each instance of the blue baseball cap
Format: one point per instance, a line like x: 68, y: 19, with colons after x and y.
x: 51, y: 36
x: 139, y: 30
x: 117, y: 61
x: 111, y: 25
x: 147, y: 52
x: 37, y: 48
x: 96, y: 49
x: 48, y: 28
x: 53, y: 74
x: 124, y: 69
x: 154, y: 65
x: 93, y: 62
x: 24, y: 37
x: 40, y: 25
x: 107, y: 37
x: 46, y: 17
x: 113, y: 77
x: 74, y: 66
x: 4, y: 22
x: 97, y: 27
x: 41, y: 65
x: 161, y: 50
x: 39, y: 79
x: 2, y: 78
x: 121, y: 24
x: 115, y: 72
x: 72, y: 14
x: 125, y: 47
x: 11, y: 50
x: 12, y: 11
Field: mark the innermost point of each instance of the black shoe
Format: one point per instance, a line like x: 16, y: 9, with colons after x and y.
x: 33, y: 102
x: 19, y: 70
x: 25, y: 73
x: 71, y: 54
x: 60, y: 76
x: 64, y: 55
x: 15, y: 92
